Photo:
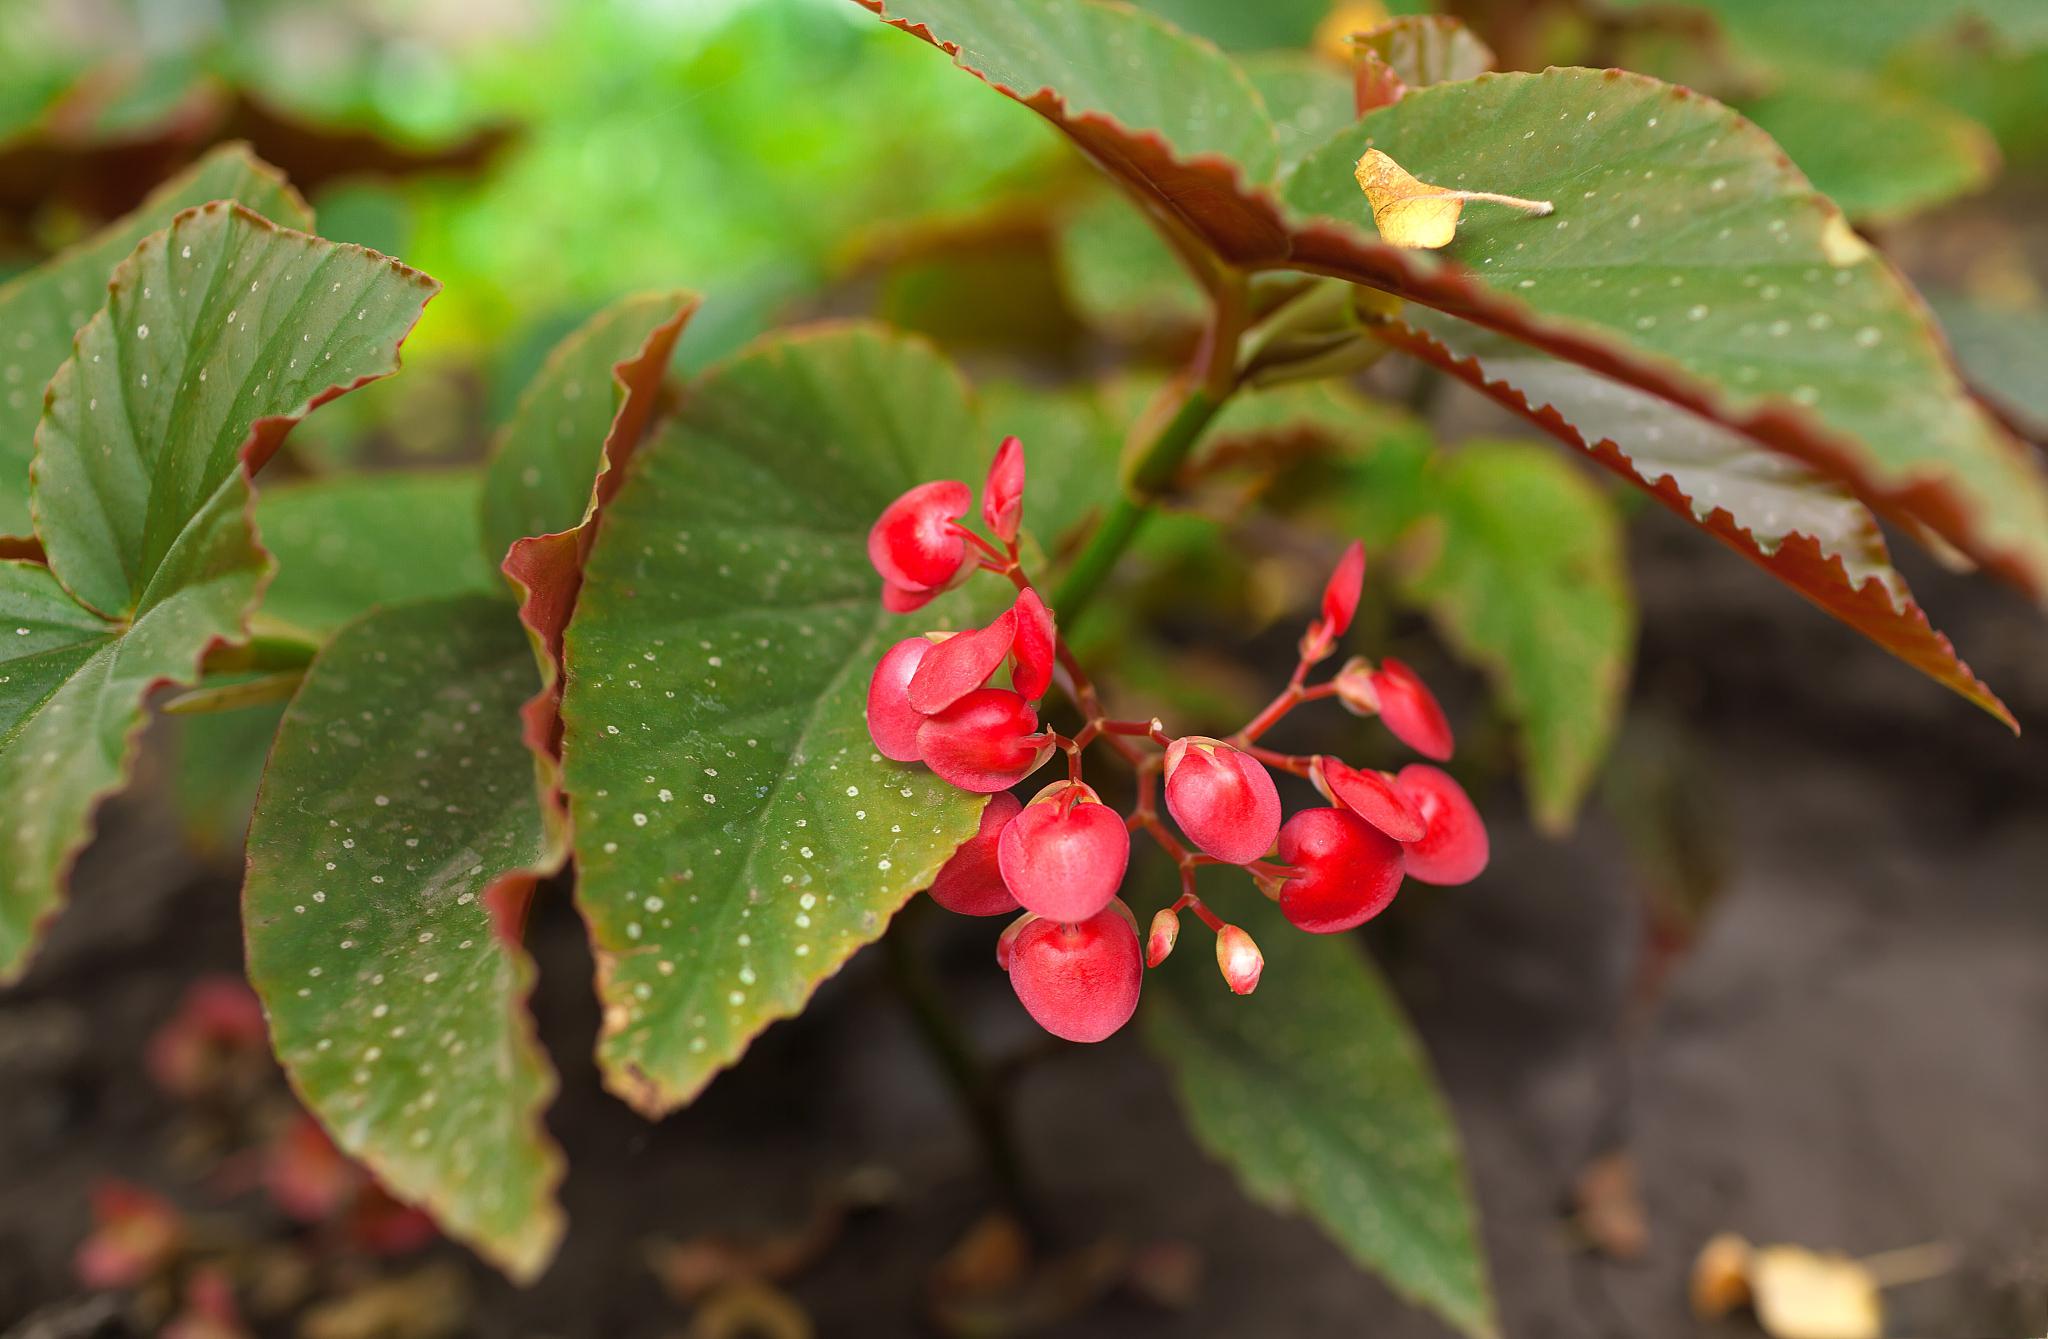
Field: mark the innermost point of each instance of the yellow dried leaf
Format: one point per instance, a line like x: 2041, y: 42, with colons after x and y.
x: 1407, y: 211
x: 1720, y: 1276
x: 1803, y: 1294
x: 1411, y: 212
x: 1346, y: 17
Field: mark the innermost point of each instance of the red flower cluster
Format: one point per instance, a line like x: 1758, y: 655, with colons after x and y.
x: 1074, y: 956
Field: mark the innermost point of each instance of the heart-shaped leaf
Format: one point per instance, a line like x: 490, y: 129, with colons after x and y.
x: 1807, y: 531
x: 40, y: 311
x: 737, y: 835
x: 1316, y: 1093
x: 396, y: 838
x: 142, y: 489
x: 558, y: 463
x: 345, y: 543
x: 1687, y: 258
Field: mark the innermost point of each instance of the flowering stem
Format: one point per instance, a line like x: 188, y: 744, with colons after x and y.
x: 977, y: 1090
x: 1211, y: 382
x: 1293, y: 695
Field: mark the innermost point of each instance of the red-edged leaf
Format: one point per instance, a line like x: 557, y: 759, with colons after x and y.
x: 1167, y: 112
x: 395, y: 844
x: 1805, y: 530
x: 1684, y: 252
x: 1687, y: 257
x: 558, y: 463
x: 142, y: 487
x: 1415, y: 51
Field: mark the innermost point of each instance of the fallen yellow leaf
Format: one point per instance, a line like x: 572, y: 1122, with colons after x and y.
x: 1803, y: 1294
x: 1412, y: 213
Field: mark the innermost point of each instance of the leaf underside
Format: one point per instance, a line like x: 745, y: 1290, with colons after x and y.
x: 144, y: 510
x: 737, y: 836
x: 399, y: 806
x: 1807, y: 531
x: 1316, y: 1093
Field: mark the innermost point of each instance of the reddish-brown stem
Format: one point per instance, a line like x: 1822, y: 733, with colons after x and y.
x: 1187, y: 901
x: 1293, y: 695
x: 1295, y: 763
x: 978, y: 542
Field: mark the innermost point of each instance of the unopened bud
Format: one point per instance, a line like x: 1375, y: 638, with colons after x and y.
x: 1355, y: 688
x: 1009, y: 937
x: 1164, y: 933
x: 1239, y: 960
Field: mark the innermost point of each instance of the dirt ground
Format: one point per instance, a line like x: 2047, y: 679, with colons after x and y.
x: 1854, y: 1055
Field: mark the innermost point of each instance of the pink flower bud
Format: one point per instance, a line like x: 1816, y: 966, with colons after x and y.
x: 913, y: 544
x: 1239, y: 959
x: 1354, y: 687
x: 970, y: 882
x: 898, y: 600
x: 1002, y: 497
x: 892, y: 721
x: 1008, y: 937
x: 986, y: 742
x: 1222, y: 798
x: 1410, y: 710
x: 1063, y: 857
x: 1346, y: 870
x: 960, y: 664
x: 1165, y: 932
x: 1341, y: 592
x: 1031, y: 673
x: 1453, y: 848
x: 1079, y: 981
x: 1373, y: 796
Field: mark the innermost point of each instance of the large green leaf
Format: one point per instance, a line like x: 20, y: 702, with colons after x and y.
x: 1880, y: 153
x: 1307, y: 96
x: 540, y: 472
x: 395, y: 839
x: 1804, y: 529
x: 343, y: 545
x: 347, y: 542
x: 41, y: 310
x: 1168, y: 113
x: 1688, y: 258
x: 144, y: 507
x: 1520, y: 562
x: 1316, y: 1093
x: 2000, y: 348
x: 737, y: 836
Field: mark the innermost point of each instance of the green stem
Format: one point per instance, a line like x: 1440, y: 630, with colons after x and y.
x: 978, y: 1091
x: 1211, y: 383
